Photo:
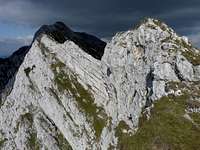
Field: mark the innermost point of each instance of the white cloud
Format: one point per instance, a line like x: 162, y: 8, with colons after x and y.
x: 195, y: 39
x: 26, y: 40
x: 10, y: 45
x: 28, y: 12
x: 193, y: 34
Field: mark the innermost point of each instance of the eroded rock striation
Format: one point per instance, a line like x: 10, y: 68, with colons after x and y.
x: 70, y: 90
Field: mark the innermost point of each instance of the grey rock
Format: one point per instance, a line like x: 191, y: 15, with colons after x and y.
x: 185, y: 68
x: 67, y: 84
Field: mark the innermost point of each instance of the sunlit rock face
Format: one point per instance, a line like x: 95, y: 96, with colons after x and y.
x: 70, y: 90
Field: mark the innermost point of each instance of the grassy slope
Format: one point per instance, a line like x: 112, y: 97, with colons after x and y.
x: 166, y: 129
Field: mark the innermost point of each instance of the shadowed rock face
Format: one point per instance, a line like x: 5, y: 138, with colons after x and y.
x: 60, y: 32
x: 9, y: 66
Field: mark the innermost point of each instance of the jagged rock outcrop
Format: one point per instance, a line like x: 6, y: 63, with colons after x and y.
x: 72, y: 91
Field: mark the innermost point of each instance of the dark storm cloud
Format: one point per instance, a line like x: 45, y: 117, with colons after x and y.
x: 102, y: 17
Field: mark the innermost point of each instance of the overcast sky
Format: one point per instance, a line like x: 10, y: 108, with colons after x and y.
x: 19, y: 19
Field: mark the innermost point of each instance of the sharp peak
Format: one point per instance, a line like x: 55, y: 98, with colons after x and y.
x: 61, y: 33
x: 149, y: 22
x: 57, y: 31
x: 150, y: 19
x: 59, y: 25
x: 154, y: 23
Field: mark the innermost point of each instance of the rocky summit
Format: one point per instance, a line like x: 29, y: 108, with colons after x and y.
x: 70, y: 90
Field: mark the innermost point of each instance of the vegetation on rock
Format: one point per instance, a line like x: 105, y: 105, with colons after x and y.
x: 69, y: 82
x: 166, y: 129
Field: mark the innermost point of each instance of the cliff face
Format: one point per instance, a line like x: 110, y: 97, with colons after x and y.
x: 70, y: 90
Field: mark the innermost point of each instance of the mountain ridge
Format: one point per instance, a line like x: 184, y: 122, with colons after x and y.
x: 60, y: 32
x: 65, y: 96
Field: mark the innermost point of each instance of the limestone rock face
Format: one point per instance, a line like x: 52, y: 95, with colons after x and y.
x: 70, y: 90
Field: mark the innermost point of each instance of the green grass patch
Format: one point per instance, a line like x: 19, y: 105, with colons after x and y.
x: 189, y: 54
x: 175, y: 86
x: 192, y: 57
x: 195, y: 117
x: 44, y: 49
x: 121, y: 126
x: 32, y: 141
x: 2, y: 141
x: 63, y: 144
x: 166, y: 129
x: 69, y: 82
x: 27, y: 117
x: 182, y: 43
